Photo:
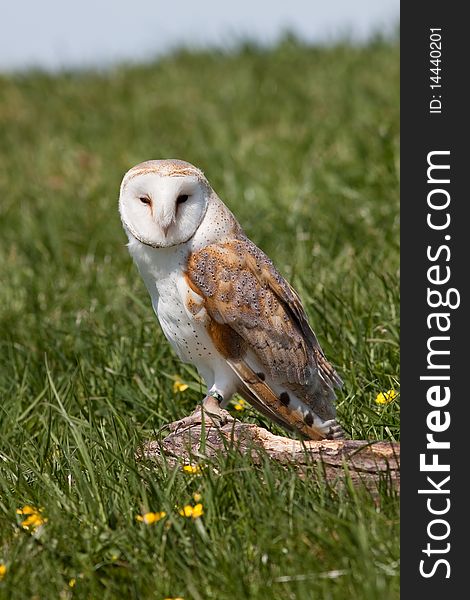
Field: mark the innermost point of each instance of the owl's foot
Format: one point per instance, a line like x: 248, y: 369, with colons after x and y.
x: 333, y: 430
x: 210, y: 413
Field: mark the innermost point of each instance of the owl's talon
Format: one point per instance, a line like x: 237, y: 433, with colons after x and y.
x: 210, y: 412
x: 333, y: 429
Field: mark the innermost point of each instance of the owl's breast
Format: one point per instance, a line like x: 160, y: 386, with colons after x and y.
x: 179, y: 309
x: 183, y: 320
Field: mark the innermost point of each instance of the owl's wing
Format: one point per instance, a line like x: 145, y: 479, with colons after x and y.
x: 257, y: 322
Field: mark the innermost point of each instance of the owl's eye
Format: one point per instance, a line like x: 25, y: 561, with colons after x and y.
x: 145, y: 200
x: 182, y: 198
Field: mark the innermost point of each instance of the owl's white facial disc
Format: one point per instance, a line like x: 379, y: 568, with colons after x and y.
x: 162, y: 210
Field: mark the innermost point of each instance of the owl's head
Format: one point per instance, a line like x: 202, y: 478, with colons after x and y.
x: 162, y: 202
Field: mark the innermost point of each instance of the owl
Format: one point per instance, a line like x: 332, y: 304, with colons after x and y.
x: 222, y: 304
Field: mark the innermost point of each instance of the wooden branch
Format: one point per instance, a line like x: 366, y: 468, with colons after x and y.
x: 366, y: 461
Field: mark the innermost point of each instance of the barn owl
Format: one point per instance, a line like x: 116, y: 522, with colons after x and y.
x: 221, y: 303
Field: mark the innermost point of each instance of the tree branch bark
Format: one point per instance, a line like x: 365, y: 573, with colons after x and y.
x: 369, y: 462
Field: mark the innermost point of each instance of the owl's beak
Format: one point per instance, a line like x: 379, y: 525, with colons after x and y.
x: 165, y: 219
x: 165, y: 228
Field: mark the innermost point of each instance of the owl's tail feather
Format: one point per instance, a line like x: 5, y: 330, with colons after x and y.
x: 263, y: 409
x: 278, y: 407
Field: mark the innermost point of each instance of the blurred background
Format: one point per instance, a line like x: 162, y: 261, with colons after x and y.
x: 291, y: 109
x: 53, y: 34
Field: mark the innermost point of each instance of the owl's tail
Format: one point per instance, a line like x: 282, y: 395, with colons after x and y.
x: 281, y: 408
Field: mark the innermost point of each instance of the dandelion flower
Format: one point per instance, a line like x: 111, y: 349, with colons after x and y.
x: 179, y: 386
x: 151, y: 517
x: 386, y: 397
x: 34, y: 519
x: 193, y: 469
x: 3, y: 571
x: 72, y: 582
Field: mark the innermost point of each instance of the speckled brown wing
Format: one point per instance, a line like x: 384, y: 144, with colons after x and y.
x: 254, y: 311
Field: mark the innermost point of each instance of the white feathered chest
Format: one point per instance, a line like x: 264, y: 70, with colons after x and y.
x: 162, y: 270
x: 182, y: 316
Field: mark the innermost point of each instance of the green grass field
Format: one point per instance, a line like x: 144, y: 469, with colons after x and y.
x: 303, y: 145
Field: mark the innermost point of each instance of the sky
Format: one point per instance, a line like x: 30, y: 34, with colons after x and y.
x: 56, y: 34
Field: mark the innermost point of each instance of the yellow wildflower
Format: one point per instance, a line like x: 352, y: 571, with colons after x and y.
x: 197, y: 496
x: 197, y: 511
x: 186, y: 511
x: 34, y: 519
x: 194, y: 470
x: 387, y: 397
x: 178, y: 598
x: 72, y: 582
x: 26, y: 510
x: 151, y: 517
x: 240, y: 405
x: 193, y: 512
x: 179, y: 386
x: 3, y: 571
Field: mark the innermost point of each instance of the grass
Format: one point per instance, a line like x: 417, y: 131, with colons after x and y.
x: 302, y: 144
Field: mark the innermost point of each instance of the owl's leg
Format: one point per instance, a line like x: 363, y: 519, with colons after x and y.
x: 210, y: 412
x: 212, y: 405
